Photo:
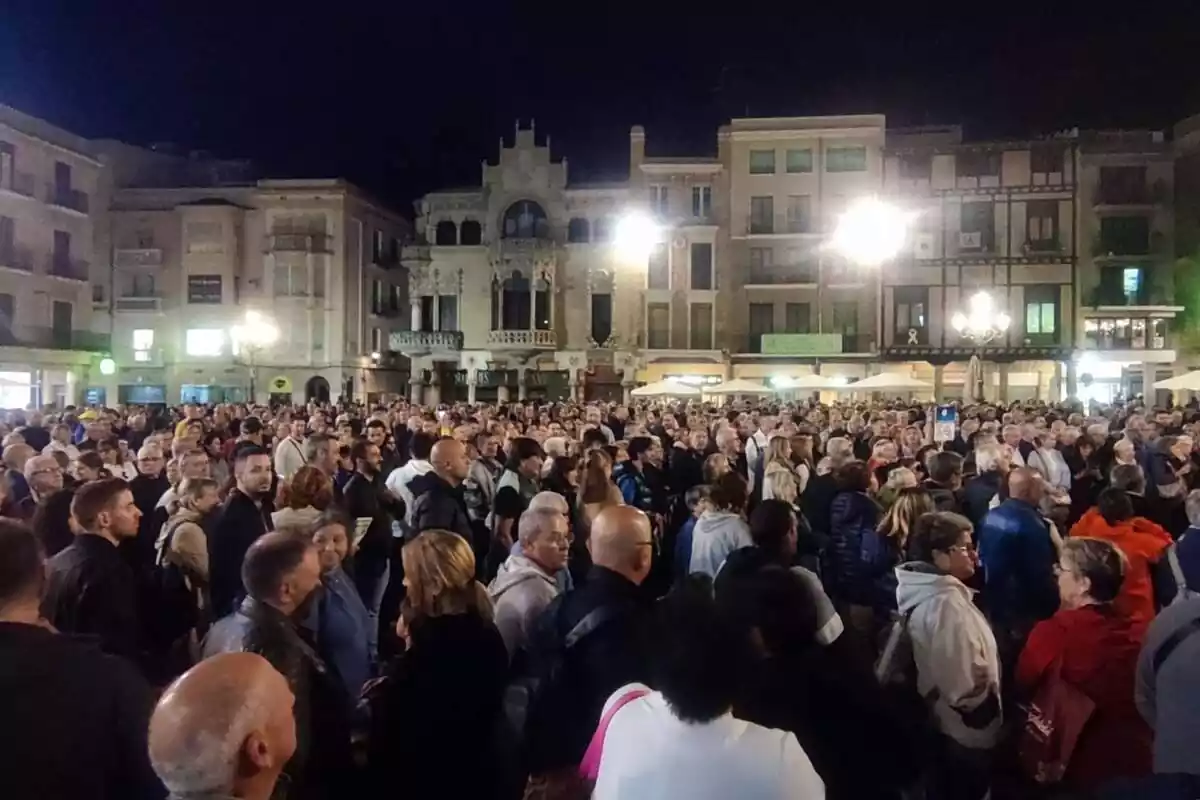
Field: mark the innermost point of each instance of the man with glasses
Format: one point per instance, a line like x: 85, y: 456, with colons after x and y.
x: 44, y: 476
x: 148, y: 487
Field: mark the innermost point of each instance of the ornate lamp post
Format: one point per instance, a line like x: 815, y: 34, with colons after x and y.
x: 254, y: 333
x: 982, y: 324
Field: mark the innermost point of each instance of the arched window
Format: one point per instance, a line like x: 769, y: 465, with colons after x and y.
x: 446, y: 233
x: 602, y: 307
x: 517, y: 303
x: 470, y: 232
x: 525, y: 219
x: 578, y: 230
x: 541, y: 305
x: 602, y: 229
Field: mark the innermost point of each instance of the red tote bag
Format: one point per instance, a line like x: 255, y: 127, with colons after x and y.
x: 1054, y: 721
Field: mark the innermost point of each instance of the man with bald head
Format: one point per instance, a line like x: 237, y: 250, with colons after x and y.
x: 224, y: 729
x: 606, y: 618
x: 1018, y: 558
x: 438, y: 501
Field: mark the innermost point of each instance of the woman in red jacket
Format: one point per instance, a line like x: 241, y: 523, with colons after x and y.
x: 1099, y: 650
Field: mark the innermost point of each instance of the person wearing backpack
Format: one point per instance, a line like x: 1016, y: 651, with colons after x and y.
x: 590, y: 641
x: 1168, y: 687
x: 955, y: 653
x: 182, y: 566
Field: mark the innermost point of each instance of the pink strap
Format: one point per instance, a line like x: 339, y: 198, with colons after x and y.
x: 589, y: 768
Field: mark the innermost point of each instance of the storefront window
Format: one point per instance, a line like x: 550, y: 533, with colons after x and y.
x: 1139, y: 334
x: 1158, y: 333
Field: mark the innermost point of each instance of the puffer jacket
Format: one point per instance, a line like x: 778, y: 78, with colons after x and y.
x: 1018, y: 560
x: 958, y: 664
x: 852, y: 520
x: 1143, y: 543
x: 520, y: 592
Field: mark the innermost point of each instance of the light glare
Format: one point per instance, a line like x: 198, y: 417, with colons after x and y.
x: 636, y: 234
x: 871, y: 231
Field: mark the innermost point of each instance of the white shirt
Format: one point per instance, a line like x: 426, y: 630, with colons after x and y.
x: 650, y: 754
x: 71, y: 450
x: 399, y: 479
x: 289, y: 457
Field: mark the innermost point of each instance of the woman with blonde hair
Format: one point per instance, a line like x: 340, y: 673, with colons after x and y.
x: 887, y: 547
x: 303, y: 497
x: 897, y: 479
x: 448, y: 684
x: 779, y: 478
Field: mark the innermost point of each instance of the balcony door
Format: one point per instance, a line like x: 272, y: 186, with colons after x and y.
x: 61, y: 323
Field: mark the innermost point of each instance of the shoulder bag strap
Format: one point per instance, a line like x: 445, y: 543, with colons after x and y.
x: 589, y: 768
x: 1173, y: 641
x: 1176, y: 570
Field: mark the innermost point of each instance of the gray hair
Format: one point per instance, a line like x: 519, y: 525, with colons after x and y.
x: 315, y: 444
x: 1192, y: 504
x: 1098, y: 560
x: 204, y: 760
x: 192, y: 489
x: 839, y: 450
x: 150, y: 451
x: 1128, y: 478
x: 551, y: 501
x: 536, y: 521
x: 988, y: 457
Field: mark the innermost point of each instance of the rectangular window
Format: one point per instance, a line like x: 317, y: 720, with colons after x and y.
x: 762, y: 320
x: 916, y: 166
x: 798, y: 317
x: 977, y: 227
x: 762, y: 162
x: 1131, y: 284
x: 204, y: 289
x: 376, y: 340
x: 143, y: 285
x: 143, y: 338
x: 62, y: 250
x: 658, y: 326
x: 1123, y: 185
x: 395, y: 301
x: 702, y: 202
x: 659, y: 200
x: 845, y: 318
x: 8, y: 237
x: 427, y: 320
x: 1041, y: 310
x: 318, y: 281
x: 799, y: 213
x: 291, y: 280
x: 377, y: 251
x: 448, y: 312
x: 762, y: 214
x: 761, y: 261
x: 1045, y: 159
x: 799, y: 161
x: 1124, y: 235
x: 702, y: 265
x: 658, y: 275
x: 601, y: 318
x: 207, y: 342
x: 977, y: 164
x: 376, y: 297
x: 97, y: 292
x: 8, y: 310
x: 1042, y: 229
x: 203, y: 237
x: 846, y: 159
x: 61, y: 321
x: 910, y: 304
x: 701, y: 326
x: 318, y: 330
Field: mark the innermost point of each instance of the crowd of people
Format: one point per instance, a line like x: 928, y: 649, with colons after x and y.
x: 557, y: 601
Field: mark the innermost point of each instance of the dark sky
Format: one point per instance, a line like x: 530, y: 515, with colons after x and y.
x: 405, y: 97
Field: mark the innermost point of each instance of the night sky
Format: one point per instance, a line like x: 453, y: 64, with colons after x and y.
x: 403, y: 98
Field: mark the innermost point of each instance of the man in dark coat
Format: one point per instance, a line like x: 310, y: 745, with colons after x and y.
x: 75, y: 718
x: 945, y: 480
x: 148, y: 487
x: 978, y: 493
x: 438, y: 500
x: 367, y: 498
x: 90, y: 589
x: 242, y: 519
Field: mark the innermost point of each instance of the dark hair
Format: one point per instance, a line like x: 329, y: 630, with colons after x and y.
x: 52, y: 521
x: 772, y: 600
x: 1128, y: 478
x: 90, y: 459
x: 698, y: 654
x: 421, y: 445
x: 522, y: 448
x: 251, y: 426
x: 247, y: 450
x: 852, y: 477
x: 559, y: 469
x: 695, y: 494
x: 358, y: 450
x: 1114, y: 505
x: 91, y: 499
x: 937, y: 531
x: 769, y: 525
x: 944, y: 466
x: 639, y: 445
x: 269, y: 560
x: 594, y: 437
x: 377, y: 423
x: 308, y: 486
x: 21, y: 557
x: 334, y: 516
x: 729, y: 492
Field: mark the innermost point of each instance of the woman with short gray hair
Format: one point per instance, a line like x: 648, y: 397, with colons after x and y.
x: 1093, y: 648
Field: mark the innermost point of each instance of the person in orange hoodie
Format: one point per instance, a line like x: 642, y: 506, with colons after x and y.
x: 1143, y: 542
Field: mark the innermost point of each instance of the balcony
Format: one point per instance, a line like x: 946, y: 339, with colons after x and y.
x: 813, y: 344
x: 418, y: 342
x: 1146, y: 194
x: 1114, y: 297
x: 1044, y: 247
x: 523, y: 339
x: 139, y: 303
x: 18, y: 183
x: 782, y: 275
x: 779, y: 225
x: 72, y: 269
x: 298, y: 243
x: 54, y: 339
x: 16, y: 257
x: 136, y: 257
x: 68, y: 198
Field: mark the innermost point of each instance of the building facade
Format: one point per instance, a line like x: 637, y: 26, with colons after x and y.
x: 48, y: 183
x: 190, y: 245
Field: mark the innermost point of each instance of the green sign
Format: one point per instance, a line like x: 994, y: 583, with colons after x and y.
x: 801, y: 344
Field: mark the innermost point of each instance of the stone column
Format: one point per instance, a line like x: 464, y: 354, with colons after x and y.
x: 627, y: 388
x: 472, y: 380
x: 73, y: 381
x: 939, y: 382
x: 416, y: 313
x: 502, y: 393
x: 437, y: 313
x: 1002, y: 392
x: 416, y: 390
x: 1149, y: 376
x: 521, y: 384
x: 1072, y: 380
x: 433, y: 394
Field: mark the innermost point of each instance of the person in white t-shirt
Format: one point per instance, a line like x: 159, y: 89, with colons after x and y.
x: 683, y: 740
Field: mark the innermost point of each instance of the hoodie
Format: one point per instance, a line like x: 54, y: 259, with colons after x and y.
x: 715, y: 536
x: 958, y: 666
x: 400, y: 477
x: 1143, y: 543
x: 520, y: 592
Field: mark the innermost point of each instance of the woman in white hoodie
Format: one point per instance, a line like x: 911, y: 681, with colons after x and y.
x: 958, y: 667
x: 722, y: 529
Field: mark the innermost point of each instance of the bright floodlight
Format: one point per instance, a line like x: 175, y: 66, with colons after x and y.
x: 871, y: 231
x: 256, y: 331
x: 636, y: 234
x: 981, y: 318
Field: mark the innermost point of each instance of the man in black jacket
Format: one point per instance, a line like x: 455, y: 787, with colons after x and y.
x: 89, y: 587
x: 367, y: 498
x: 614, y: 609
x: 687, y: 461
x: 438, y: 496
x: 945, y: 480
x: 992, y: 463
x: 148, y: 488
x: 282, y: 575
x: 74, y: 721
x: 242, y: 519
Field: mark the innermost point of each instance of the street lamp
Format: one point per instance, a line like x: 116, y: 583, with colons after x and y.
x: 254, y: 333
x: 982, y: 325
x: 636, y: 234
x: 871, y: 231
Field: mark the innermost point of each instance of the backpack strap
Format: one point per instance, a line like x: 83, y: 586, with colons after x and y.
x: 1172, y: 642
x: 590, y: 623
x: 1181, y: 587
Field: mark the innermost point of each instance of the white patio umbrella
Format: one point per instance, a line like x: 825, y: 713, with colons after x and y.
x: 739, y: 386
x: 666, y: 389
x: 1189, y: 382
x: 888, y: 381
x: 811, y: 383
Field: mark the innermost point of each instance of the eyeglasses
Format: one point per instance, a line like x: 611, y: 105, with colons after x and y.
x: 965, y: 548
